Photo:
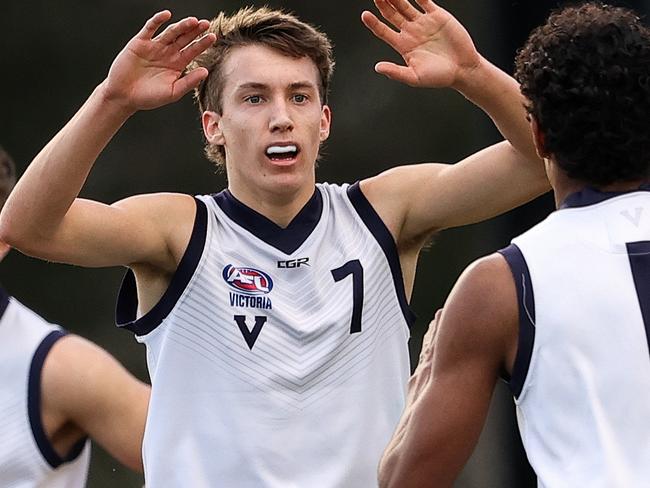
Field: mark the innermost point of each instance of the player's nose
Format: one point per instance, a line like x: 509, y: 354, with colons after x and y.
x: 280, y: 118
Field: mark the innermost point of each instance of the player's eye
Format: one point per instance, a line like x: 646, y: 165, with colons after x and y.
x: 253, y: 99
x: 300, y: 98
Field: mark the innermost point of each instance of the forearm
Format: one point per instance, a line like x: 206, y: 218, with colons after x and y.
x: 392, y: 455
x: 498, y: 94
x: 54, y: 179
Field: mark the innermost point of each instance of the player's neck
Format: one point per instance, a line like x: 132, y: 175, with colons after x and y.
x: 564, y: 186
x: 279, y: 207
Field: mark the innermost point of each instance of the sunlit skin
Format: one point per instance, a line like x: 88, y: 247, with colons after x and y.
x: 269, y: 99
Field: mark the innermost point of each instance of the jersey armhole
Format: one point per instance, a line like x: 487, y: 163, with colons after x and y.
x: 4, y: 301
x: 127, y: 299
x: 526, y: 305
x: 34, y: 405
x: 378, y: 229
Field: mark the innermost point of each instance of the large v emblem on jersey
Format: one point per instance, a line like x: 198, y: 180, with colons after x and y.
x: 250, y: 336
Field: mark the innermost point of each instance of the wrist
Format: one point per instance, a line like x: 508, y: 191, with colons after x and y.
x: 471, y: 78
x: 112, y: 101
x: 486, y: 85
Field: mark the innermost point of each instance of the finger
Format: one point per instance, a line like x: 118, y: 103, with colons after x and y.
x: 153, y: 24
x: 427, y: 5
x: 379, y: 29
x: 389, y: 13
x: 433, y: 325
x: 177, y: 29
x: 396, y: 72
x: 197, y: 47
x: 405, y: 8
x: 188, y: 82
x: 185, y: 39
x: 438, y: 314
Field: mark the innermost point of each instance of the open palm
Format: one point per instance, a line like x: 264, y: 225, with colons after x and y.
x: 148, y: 72
x: 436, y: 48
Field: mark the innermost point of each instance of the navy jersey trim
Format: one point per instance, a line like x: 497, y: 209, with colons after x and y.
x: 591, y: 196
x: 639, y: 255
x: 385, y: 239
x: 34, y: 405
x: 288, y: 239
x: 127, y: 300
x: 526, y: 303
x: 4, y: 301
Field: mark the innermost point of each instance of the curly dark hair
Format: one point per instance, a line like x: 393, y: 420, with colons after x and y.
x: 7, y: 176
x: 586, y: 75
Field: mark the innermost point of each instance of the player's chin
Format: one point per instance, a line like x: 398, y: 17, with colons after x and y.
x: 288, y: 178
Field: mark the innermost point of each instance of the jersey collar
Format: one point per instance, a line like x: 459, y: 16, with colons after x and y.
x: 590, y: 196
x: 288, y: 239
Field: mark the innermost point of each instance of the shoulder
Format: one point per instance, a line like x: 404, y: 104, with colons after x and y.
x: 400, y: 182
x: 77, y: 374
x: 481, y: 311
x: 72, y: 359
x: 486, y: 282
x: 393, y: 193
x: 168, y: 215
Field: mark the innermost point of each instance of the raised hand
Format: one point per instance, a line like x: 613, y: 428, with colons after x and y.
x: 149, y: 71
x: 437, y: 49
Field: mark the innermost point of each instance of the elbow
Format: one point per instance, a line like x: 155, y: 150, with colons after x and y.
x: 19, y: 234
x: 12, y: 235
x: 7, y: 233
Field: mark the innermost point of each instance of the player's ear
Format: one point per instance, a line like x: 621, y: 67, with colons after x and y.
x: 212, y: 127
x: 325, y: 122
x: 538, y: 138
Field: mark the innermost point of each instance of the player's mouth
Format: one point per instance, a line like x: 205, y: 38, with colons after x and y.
x: 282, y: 154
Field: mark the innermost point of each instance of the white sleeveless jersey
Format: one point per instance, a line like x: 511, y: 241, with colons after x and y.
x: 582, y: 374
x: 278, y: 357
x: 27, y: 458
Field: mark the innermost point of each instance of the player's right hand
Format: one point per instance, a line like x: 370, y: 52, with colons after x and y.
x: 149, y: 71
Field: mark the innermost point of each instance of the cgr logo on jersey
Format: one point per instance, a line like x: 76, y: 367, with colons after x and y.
x: 251, y: 285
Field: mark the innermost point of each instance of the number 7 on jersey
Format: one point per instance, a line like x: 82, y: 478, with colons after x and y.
x: 355, y: 269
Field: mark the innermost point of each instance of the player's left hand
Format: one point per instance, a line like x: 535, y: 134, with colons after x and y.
x: 437, y: 49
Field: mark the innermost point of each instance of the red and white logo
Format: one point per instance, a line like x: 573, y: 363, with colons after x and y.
x: 249, y: 281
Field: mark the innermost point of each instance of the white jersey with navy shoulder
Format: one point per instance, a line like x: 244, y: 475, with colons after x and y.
x: 582, y: 374
x: 278, y: 357
x: 27, y: 458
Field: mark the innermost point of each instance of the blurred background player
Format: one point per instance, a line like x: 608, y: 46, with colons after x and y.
x: 563, y: 313
x: 57, y: 391
x: 273, y: 307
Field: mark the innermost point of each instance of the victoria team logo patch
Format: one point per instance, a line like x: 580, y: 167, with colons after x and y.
x: 249, y: 281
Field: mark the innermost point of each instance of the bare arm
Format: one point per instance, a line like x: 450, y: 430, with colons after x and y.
x: 449, y: 395
x: 86, y: 388
x: 417, y: 200
x: 43, y: 215
x: 438, y: 52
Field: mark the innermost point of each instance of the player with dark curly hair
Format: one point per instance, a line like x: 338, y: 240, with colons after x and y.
x: 587, y: 78
x: 275, y: 312
x: 563, y: 313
